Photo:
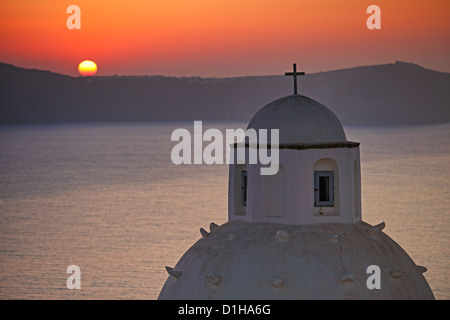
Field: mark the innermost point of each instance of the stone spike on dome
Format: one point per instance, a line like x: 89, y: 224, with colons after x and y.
x: 422, y: 269
x: 213, y: 226
x: 334, y: 238
x: 214, y: 279
x: 282, y: 235
x: 173, y: 272
x: 374, y: 230
x: 204, y: 232
x: 278, y: 283
x: 380, y: 226
x: 397, y: 273
x: 346, y: 277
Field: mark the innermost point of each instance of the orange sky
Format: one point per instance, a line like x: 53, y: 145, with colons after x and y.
x: 221, y: 38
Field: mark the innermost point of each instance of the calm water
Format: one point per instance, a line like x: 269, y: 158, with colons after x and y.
x: 107, y: 198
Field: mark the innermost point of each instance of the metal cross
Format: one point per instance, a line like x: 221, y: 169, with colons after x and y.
x: 295, y: 74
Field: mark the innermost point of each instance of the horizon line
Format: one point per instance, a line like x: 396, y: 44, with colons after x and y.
x: 227, y: 77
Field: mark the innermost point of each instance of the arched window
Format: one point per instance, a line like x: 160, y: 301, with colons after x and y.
x: 323, y: 188
x: 240, y: 190
x: 244, y: 187
x: 326, y: 187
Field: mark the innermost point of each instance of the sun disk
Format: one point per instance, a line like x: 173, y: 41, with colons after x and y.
x: 87, y: 68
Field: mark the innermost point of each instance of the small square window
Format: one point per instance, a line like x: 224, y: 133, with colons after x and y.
x: 323, y: 188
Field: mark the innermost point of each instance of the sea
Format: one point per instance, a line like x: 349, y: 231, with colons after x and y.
x: 107, y: 198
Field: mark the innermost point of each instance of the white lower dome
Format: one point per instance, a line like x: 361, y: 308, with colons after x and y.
x: 241, y: 260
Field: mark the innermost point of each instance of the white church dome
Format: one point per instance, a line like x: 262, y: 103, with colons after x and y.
x: 301, y: 120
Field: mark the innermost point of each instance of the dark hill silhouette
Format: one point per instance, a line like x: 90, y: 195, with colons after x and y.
x: 389, y: 94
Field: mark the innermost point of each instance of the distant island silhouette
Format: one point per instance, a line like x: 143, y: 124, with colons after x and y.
x: 390, y: 94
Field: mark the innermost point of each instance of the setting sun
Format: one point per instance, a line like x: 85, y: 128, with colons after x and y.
x: 87, y: 68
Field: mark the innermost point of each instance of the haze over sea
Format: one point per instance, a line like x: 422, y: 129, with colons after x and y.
x: 107, y: 197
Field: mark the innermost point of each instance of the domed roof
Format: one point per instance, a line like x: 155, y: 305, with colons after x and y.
x: 253, y: 261
x: 300, y: 120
